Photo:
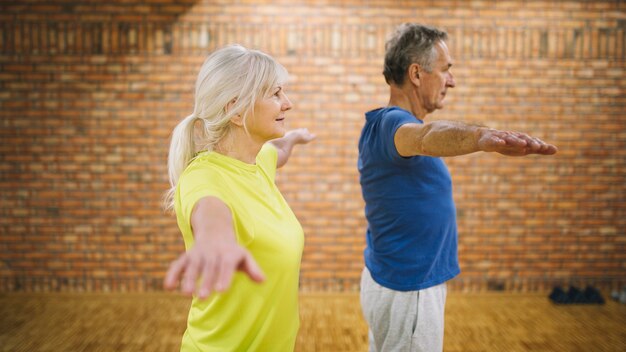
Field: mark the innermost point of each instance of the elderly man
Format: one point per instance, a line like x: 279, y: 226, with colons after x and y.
x: 412, y: 235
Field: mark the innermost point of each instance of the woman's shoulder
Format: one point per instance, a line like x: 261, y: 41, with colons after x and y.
x: 202, y: 168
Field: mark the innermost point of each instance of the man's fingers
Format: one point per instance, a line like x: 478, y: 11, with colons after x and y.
x: 537, y: 146
x: 174, y: 271
x: 552, y: 149
x: 515, y: 139
x: 534, y: 144
x: 514, y: 143
x: 547, y: 149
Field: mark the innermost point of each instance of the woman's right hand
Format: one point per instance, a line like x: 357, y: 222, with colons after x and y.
x: 215, y: 256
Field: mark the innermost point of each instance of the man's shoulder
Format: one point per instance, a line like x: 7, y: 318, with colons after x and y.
x: 389, y: 115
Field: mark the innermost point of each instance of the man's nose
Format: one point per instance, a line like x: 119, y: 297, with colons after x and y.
x: 451, y: 83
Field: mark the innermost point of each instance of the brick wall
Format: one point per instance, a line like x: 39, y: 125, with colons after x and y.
x: 90, y: 91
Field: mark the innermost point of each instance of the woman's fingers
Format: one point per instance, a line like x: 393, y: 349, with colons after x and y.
x: 215, y: 270
x: 174, y: 272
x: 210, y: 271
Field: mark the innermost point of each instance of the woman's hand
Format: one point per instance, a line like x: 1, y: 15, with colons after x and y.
x: 215, y: 256
x: 300, y: 135
x: 285, y: 144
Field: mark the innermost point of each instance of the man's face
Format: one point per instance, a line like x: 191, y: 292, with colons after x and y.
x: 434, y: 84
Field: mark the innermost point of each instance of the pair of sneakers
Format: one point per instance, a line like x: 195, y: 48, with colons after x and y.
x: 589, y: 295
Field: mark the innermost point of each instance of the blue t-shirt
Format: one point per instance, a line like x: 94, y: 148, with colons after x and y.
x: 412, y: 234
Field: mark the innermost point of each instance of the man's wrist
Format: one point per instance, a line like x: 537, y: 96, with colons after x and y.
x: 479, y: 133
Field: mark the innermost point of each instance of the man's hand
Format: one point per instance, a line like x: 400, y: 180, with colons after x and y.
x: 512, y: 143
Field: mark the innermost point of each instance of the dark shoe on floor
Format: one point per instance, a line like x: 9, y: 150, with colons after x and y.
x: 574, y: 295
x: 593, y: 296
x: 558, y: 296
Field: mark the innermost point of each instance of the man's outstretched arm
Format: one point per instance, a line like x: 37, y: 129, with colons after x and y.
x: 451, y: 138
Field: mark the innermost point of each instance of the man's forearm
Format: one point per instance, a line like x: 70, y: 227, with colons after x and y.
x: 449, y: 138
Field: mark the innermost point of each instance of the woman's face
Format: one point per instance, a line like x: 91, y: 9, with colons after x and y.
x: 268, y: 120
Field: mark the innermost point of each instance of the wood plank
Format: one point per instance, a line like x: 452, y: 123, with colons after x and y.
x: 329, y: 322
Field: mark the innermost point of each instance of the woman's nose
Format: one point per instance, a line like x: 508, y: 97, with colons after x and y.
x: 286, y: 103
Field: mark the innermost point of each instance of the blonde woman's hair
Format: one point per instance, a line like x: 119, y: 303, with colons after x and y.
x: 233, y: 74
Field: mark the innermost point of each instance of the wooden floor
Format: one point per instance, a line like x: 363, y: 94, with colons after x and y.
x: 330, y: 322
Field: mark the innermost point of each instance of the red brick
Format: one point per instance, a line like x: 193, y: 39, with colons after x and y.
x: 85, y: 133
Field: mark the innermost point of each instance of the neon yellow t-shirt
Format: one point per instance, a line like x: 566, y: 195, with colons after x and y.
x: 249, y: 316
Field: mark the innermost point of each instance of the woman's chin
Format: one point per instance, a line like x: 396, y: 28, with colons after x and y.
x: 280, y: 129
x: 279, y: 133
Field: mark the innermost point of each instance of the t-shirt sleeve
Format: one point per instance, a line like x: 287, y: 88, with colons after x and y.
x: 389, y: 126
x: 267, y: 159
x: 197, y: 184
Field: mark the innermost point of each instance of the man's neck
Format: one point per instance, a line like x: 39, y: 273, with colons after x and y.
x: 406, y: 98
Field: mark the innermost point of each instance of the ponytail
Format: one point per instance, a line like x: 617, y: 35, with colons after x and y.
x: 182, y: 150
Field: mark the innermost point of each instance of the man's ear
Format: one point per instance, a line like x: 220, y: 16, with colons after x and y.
x: 236, y: 119
x: 414, y: 74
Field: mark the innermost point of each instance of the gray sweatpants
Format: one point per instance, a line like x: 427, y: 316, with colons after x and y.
x: 403, y: 321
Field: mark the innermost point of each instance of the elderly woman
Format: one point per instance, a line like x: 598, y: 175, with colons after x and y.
x: 244, y: 244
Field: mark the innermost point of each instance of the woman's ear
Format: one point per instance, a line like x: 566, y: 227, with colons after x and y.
x: 236, y: 119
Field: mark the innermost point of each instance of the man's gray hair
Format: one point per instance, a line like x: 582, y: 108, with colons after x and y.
x: 410, y: 43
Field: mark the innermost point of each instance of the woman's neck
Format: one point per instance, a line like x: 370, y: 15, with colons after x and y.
x: 238, y: 145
